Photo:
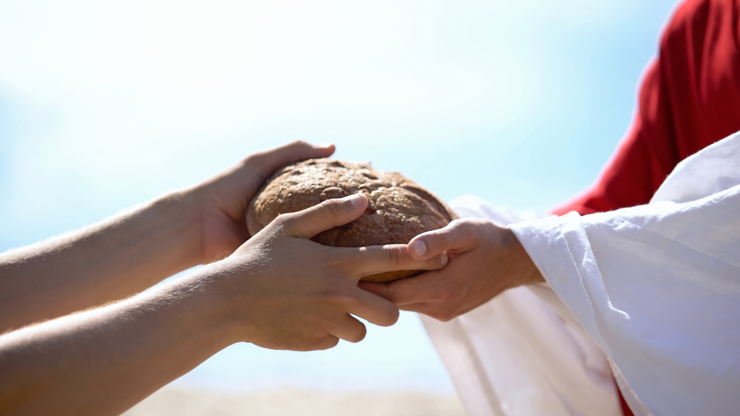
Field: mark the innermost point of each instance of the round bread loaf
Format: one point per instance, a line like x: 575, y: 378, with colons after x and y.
x: 398, y: 209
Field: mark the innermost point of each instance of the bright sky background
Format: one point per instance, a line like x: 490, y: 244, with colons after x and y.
x: 105, y: 104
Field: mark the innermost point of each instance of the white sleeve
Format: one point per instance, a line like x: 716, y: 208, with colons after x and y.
x: 515, y: 355
x: 657, y: 287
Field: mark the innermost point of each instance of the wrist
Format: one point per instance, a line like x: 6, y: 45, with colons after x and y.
x: 180, y: 213
x: 525, y: 271
x: 196, y: 205
x: 218, y: 210
x: 210, y: 304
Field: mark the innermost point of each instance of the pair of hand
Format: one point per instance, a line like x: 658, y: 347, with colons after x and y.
x: 283, y: 290
x: 301, y: 293
x: 288, y: 292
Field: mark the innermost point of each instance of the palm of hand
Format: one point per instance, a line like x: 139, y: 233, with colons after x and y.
x: 223, y: 200
x: 222, y: 233
x: 224, y: 213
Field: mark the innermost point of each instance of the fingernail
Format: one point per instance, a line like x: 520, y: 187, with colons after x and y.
x: 356, y: 200
x: 419, y: 248
x: 326, y: 145
x: 444, y: 259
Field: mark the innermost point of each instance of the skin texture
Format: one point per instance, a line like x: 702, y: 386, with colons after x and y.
x: 484, y: 260
x: 277, y: 290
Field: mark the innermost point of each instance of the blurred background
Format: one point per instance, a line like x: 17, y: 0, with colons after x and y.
x: 105, y: 104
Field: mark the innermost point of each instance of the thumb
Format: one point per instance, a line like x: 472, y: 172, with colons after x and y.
x: 328, y: 214
x: 455, y: 236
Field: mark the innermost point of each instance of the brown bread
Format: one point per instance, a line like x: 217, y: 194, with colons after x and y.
x: 398, y: 208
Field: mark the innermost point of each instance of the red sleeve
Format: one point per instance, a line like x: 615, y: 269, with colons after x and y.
x: 689, y: 99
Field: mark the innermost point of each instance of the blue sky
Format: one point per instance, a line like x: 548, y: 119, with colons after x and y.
x: 107, y: 104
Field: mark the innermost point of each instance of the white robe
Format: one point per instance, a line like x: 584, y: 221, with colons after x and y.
x: 652, y: 292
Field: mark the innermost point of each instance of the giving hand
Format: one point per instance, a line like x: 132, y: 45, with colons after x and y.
x: 484, y: 260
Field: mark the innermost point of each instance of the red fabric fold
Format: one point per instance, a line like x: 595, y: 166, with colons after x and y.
x: 689, y: 98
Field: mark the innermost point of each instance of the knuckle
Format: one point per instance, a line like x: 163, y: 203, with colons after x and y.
x: 283, y: 221
x: 468, y: 228
x: 396, y: 255
x: 457, y: 224
x: 443, y: 239
x: 338, y: 295
x: 331, y: 208
x: 464, y: 230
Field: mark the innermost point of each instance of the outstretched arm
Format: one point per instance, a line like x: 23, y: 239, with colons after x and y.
x: 279, y: 290
x: 132, y: 251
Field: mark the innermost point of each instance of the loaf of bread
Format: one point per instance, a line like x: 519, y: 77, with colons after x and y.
x: 398, y: 209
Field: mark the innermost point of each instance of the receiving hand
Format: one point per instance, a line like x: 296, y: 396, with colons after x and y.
x: 222, y: 201
x: 484, y: 260
x: 288, y: 292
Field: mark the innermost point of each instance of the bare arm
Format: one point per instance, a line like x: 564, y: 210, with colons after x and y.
x: 104, y: 360
x: 132, y: 251
x: 279, y: 290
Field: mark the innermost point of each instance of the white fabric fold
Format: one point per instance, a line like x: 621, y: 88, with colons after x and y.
x: 515, y: 355
x: 657, y: 287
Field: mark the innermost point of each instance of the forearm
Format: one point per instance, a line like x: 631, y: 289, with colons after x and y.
x: 108, y: 261
x: 105, y: 360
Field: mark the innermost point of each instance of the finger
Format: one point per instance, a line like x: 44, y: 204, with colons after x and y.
x: 271, y: 160
x: 436, y: 311
x: 366, y: 261
x: 430, y: 287
x: 457, y: 235
x: 350, y: 329
x: 328, y: 214
x: 374, y: 309
x: 384, y: 290
x: 325, y: 343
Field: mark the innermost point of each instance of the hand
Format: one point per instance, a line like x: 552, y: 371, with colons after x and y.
x: 484, y: 260
x: 221, y: 202
x: 288, y: 292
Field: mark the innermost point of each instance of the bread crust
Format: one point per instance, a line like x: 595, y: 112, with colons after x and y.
x: 398, y: 208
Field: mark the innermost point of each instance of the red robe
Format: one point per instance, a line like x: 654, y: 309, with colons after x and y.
x: 689, y: 99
